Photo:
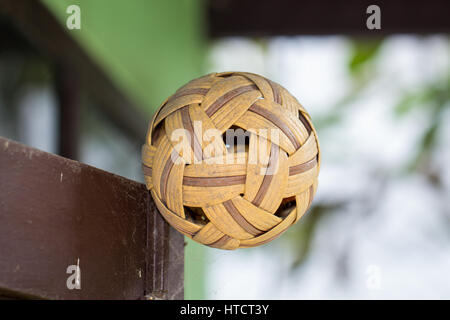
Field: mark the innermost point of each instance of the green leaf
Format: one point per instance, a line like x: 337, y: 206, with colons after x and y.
x: 363, y: 52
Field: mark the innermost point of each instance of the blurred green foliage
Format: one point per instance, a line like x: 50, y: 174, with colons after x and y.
x: 361, y: 68
x: 434, y: 97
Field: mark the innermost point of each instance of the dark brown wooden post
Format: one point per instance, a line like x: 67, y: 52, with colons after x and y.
x: 67, y: 89
x: 166, y: 256
x: 55, y: 212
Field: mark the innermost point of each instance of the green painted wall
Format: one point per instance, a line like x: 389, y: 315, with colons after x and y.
x: 149, y: 48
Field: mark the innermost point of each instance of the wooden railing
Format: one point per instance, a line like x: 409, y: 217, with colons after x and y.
x: 56, y: 212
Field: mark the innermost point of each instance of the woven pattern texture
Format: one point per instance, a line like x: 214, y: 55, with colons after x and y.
x: 227, y: 197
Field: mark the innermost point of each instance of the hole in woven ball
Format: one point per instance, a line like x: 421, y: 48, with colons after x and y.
x: 305, y: 122
x: 285, y: 207
x: 157, y: 133
x: 195, y: 215
x: 236, y: 139
x: 227, y: 75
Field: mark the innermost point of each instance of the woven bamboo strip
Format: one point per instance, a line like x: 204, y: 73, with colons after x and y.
x: 259, y: 218
x: 208, y: 234
x: 177, y: 103
x: 161, y: 160
x: 218, y: 167
x: 303, y: 202
x: 287, y: 119
x: 186, y: 227
x: 263, y: 85
x: 227, y: 115
x: 148, y: 154
x: 259, y: 125
x: 272, y: 233
x: 223, y: 221
x: 174, y: 189
x: 208, y: 196
x: 206, y: 136
x: 300, y: 182
x: 306, y: 152
x: 222, y: 92
x: 226, y: 243
x: 277, y: 185
x: 259, y: 154
x: 290, y: 102
x: 178, y: 137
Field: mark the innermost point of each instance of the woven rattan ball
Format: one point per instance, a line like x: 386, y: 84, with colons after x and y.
x: 231, y: 160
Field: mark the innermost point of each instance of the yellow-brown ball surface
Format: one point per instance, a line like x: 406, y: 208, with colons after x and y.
x: 231, y: 160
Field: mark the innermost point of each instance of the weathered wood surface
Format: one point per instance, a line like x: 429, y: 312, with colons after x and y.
x: 54, y: 211
x: 324, y: 17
